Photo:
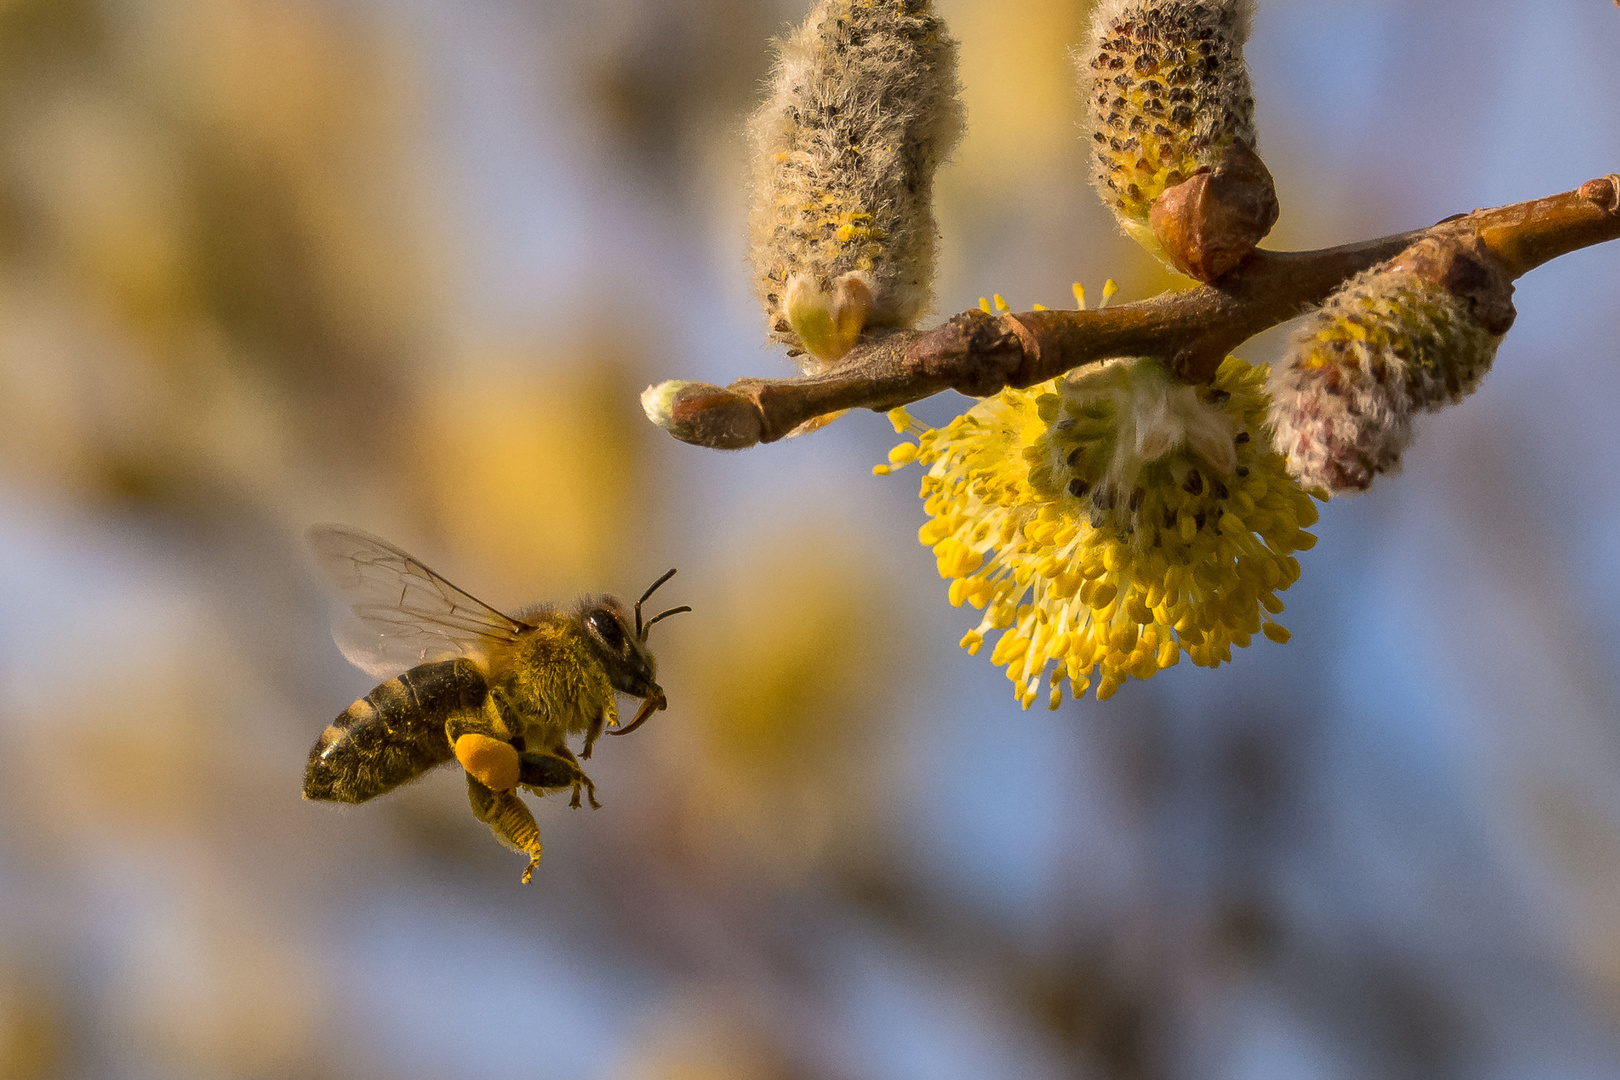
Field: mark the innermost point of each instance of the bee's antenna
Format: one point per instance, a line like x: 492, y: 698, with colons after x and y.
x: 640, y: 631
x: 663, y: 615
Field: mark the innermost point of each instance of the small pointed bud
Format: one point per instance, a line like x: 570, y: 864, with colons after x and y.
x: 815, y: 423
x: 1169, y: 95
x: 1412, y: 335
x: 1605, y: 190
x: 864, y: 107
x: 1207, y: 225
x: 829, y: 321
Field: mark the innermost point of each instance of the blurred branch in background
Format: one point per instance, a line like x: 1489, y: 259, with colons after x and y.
x: 201, y: 224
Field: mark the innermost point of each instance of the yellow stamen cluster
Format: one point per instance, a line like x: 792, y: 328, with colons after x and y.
x: 1168, y: 91
x: 1110, y: 521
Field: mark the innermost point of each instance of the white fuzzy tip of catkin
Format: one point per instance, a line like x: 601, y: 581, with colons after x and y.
x: 658, y: 402
x: 1385, y: 347
x: 864, y: 106
x: 1168, y: 92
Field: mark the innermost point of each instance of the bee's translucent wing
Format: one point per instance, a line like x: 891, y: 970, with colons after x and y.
x: 403, y: 614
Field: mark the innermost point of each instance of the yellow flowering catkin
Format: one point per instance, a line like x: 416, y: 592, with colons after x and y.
x: 863, y: 108
x: 1388, y: 345
x: 1110, y: 522
x: 1168, y: 92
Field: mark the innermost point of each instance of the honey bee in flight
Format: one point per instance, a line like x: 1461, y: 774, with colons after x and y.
x: 497, y: 693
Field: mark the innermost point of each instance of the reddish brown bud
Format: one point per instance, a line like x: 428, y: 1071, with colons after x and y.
x: 1605, y: 190
x: 1208, y: 224
x: 1461, y: 264
x: 704, y: 414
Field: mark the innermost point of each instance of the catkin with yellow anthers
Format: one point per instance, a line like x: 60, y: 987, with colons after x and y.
x: 1168, y: 92
x: 864, y: 106
x: 1388, y: 345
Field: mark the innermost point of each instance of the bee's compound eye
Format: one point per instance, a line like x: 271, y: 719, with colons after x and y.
x: 607, y: 628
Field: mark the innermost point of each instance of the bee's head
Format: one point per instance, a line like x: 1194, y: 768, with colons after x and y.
x: 623, y: 650
x: 630, y: 666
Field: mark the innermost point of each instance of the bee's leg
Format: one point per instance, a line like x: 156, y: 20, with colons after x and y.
x: 482, y: 742
x: 561, y: 750
x: 593, y: 732
x: 556, y: 770
x: 508, y: 818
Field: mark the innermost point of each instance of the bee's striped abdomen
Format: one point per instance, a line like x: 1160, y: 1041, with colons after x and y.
x: 393, y: 734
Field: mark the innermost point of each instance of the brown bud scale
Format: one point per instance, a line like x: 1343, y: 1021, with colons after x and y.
x: 1208, y: 224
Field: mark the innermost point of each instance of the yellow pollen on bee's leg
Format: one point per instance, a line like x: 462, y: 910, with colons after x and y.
x: 493, y: 762
x: 508, y: 819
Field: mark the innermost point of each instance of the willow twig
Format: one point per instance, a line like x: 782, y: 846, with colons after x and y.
x: 1192, y: 331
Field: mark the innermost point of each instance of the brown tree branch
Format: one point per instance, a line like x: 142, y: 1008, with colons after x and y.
x: 1193, y: 331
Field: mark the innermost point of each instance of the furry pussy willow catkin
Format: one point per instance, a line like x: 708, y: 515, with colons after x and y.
x: 1168, y: 93
x: 1388, y: 345
x: 863, y: 108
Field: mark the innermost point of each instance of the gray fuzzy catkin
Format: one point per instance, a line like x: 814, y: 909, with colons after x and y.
x: 1168, y: 92
x: 1385, y: 347
x: 864, y: 106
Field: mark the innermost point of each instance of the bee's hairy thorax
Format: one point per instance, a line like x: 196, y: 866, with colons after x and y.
x: 550, y: 682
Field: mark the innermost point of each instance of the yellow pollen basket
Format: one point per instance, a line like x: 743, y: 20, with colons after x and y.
x: 491, y: 762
